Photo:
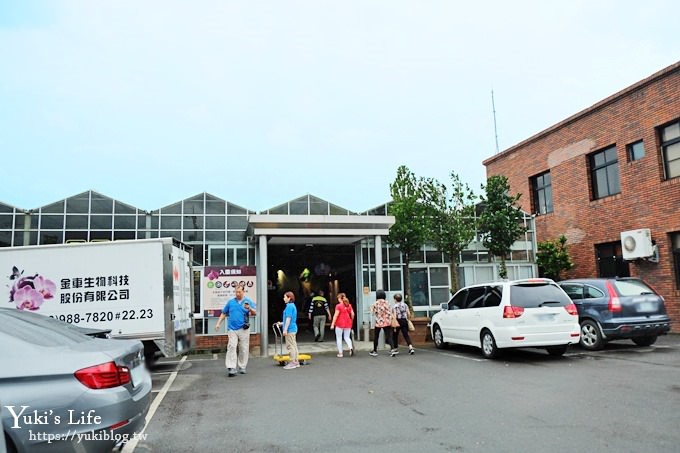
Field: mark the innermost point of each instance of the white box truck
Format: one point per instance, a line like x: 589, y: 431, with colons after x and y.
x: 140, y: 289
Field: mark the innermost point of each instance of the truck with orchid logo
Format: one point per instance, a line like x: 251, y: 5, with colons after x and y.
x: 139, y: 289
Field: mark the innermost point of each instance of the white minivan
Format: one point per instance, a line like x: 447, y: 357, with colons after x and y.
x: 531, y: 313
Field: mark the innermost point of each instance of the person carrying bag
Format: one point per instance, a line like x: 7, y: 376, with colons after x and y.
x: 383, y: 322
x: 404, y: 324
x: 411, y: 327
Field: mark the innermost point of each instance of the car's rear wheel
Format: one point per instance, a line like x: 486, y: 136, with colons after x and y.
x: 438, y: 337
x: 591, y: 337
x: 557, y: 350
x: 489, y: 348
x: 645, y: 341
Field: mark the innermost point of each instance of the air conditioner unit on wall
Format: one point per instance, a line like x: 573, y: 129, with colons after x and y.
x: 637, y: 244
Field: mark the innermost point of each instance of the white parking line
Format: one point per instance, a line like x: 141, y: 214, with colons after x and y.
x: 171, y: 362
x: 132, y: 443
x: 203, y: 358
x: 453, y: 355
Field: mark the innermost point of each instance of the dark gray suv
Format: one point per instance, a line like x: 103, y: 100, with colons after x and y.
x: 617, y: 308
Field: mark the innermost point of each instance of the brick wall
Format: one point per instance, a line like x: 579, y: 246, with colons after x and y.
x: 218, y: 343
x: 646, y: 200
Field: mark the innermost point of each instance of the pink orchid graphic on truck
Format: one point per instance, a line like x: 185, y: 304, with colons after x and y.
x: 29, y: 293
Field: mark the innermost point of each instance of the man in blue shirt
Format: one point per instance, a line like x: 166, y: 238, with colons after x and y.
x: 239, y: 309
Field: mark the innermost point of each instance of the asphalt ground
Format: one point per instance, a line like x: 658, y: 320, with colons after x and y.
x: 622, y: 399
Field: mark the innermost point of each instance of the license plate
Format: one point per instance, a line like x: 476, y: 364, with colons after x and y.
x: 137, y: 375
x: 646, y: 307
x: 546, y: 317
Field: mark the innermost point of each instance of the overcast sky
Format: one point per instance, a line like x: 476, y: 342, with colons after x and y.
x: 259, y: 102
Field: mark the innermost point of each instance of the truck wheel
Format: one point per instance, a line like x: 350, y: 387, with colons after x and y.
x: 150, y: 350
x: 150, y: 358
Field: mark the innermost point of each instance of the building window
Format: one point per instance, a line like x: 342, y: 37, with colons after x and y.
x: 5, y: 238
x: 429, y: 285
x: 670, y: 149
x: 392, y: 267
x: 675, y: 246
x: 541, y: 186
x: 604, y: 168
x: 636, y: 151
x: 610, y: 262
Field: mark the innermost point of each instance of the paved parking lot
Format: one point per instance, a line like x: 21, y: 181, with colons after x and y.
x: 622, y: 399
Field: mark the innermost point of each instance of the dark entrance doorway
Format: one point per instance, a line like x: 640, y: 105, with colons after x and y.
x: 305, y: 269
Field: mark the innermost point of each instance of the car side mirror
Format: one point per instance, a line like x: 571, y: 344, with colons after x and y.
x: 444, y: 306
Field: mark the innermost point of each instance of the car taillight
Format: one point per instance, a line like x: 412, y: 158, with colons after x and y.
x: 614, y: 302
x: 104, y: 376
x: 571, y: 309
x: 510, y: 311
x: 118, y: 425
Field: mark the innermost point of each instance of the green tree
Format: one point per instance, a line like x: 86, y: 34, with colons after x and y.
x: 452, y: 219
x: 500, y: 223
x: 553, y: 257
x: 409, y: 231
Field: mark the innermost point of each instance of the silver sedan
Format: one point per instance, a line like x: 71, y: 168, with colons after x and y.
x: 64, y: 391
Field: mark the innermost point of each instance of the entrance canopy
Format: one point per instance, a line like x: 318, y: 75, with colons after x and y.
x: 318, y: 229
x: 310, y: 229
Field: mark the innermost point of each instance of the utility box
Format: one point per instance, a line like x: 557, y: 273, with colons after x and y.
x: 637, y: 244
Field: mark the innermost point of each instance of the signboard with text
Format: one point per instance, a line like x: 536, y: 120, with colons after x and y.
x: 218, y: 286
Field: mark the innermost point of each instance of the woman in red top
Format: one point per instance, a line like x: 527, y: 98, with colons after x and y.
x: 343, y: 318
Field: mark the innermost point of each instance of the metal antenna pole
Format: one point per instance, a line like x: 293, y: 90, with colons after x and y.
x: 495, y: 130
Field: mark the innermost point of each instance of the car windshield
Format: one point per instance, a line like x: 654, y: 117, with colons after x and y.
x: 531, y: 295
x: 632, y: 287
x: 38, y: 329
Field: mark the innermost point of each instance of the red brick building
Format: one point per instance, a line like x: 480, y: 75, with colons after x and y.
x: 611, y: 168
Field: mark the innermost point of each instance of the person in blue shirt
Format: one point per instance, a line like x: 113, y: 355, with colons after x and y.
x: 239, y: 310
x: 289, y: 330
